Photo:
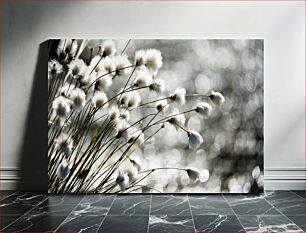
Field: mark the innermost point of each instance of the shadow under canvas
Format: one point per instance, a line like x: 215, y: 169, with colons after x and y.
x: 33, y: 164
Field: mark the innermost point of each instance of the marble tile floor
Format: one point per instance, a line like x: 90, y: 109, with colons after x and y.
x: 273, y: 211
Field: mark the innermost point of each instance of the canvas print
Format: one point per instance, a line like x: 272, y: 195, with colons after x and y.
x: 155, y: 116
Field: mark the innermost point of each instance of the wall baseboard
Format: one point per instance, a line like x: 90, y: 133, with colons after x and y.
x: 276, y: 178
x: 9, y: 178
x: 284, y: 184
x: 284, y: 178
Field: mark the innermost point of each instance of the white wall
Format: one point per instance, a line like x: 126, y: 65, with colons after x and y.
x: 281, y: 24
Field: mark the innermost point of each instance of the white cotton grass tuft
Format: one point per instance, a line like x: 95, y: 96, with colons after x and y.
x: 108, y: 65
x: 84, y: 79
x: 64, y: 143
x: 78, y: 98
x: 162, y: 105
x: 179, y: 96
x: 204, y: 109
x: 122, y: 180
x: 195, y: 139
x: 158, y: 86
x: 61, y: 106
x: 63, y: 170
x: 177, y: 119
x: 150, y: 58
x: 54, y: 67
x: 113, y: 113
x: 217, y: 98
x: 99, y: 99
x: 77, y: 67
x: 108, y: 48
x: 133, y: 100
x: 125, y: 115
x: 130, y: 99
x: 140, y: 57
x: 143, y: 79
x: 193, y: 174
x: 122, y: 64
x: 102, y: 81
x: 154, y: 60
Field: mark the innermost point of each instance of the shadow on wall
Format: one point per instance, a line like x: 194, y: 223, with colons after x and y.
x: 33, y: 164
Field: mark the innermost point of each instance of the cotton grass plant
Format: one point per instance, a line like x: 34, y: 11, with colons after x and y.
x: 104, y: 105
